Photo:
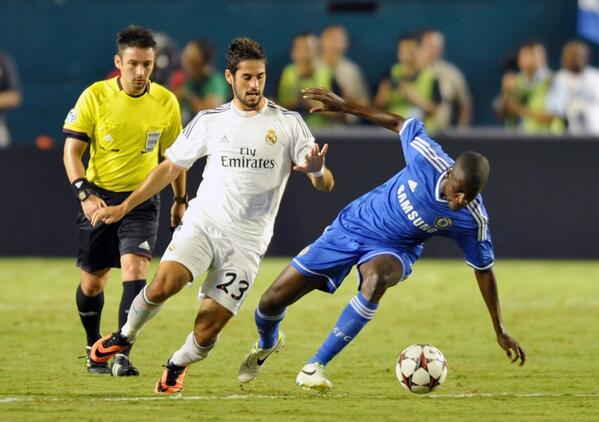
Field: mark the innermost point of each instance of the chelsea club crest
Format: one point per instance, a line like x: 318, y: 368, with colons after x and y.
x: 443, y: 223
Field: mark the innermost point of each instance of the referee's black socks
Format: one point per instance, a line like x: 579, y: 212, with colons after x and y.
x: 90, y: 312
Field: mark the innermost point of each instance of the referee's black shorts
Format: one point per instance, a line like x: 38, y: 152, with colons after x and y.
x: 102, y: 246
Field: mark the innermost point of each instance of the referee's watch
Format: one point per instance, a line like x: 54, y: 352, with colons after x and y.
x: 82, y: 195
x: 181, y: 199
x: 81, y: 187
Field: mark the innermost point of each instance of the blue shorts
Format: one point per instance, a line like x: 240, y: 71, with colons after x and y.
x: 334, y: 254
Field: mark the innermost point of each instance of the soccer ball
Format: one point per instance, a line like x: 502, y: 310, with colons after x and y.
x: 420, y: 368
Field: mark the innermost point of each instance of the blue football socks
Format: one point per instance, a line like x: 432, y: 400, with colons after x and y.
x: 268, y: 328
x: 355, y: 316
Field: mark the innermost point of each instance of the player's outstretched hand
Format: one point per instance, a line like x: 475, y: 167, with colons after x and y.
x: 329, y: 100
x: 314, y: 160
x: 107, y: 215
x: 513, y: 350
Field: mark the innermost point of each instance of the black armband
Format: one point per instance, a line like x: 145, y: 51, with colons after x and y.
x: 181, y: 199
x: 82, y: 188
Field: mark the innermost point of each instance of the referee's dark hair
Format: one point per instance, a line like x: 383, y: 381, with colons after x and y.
x: 474, y: 169
x: 241, y: 49
x: 134, y: 36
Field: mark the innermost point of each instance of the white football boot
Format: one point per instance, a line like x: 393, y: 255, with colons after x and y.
x: 311, y: 377
x: 254, y: 361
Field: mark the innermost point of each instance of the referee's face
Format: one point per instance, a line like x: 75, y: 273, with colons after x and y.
x: 136, y: 65
x: 248, y: 84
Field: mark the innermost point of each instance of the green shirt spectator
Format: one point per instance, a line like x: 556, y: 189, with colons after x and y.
x: 305, y: 71
x: 412, y: 88
x: 424, y: 83
x: 523, y: 98
x: 198, y: 86
x: 290, y: 86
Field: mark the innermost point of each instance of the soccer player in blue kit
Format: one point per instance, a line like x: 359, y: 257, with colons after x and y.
x: 382, y: 233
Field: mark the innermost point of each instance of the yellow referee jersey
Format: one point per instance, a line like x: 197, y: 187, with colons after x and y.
x: 125, y: 133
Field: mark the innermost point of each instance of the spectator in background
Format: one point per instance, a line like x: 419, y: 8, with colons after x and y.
x: 411, y: 89
x: 522, y: 101
x: 10, y: 95
x: 305, y: 71
x: 574, y: 93
x: 167, y: 58
x: 198, y: 86
x: 334, y: 44
x: 456, y: 106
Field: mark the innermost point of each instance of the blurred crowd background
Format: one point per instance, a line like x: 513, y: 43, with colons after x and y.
x: 457, y: 64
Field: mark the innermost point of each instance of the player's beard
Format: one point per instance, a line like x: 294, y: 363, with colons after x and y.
x: 253, y: 104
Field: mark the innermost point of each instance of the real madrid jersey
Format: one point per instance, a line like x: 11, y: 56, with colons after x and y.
x: 409, y: 208
x: 249, y: 158
x: 125, y: 133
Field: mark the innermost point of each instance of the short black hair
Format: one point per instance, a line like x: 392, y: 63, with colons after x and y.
x: 241, y: 49
x: 134, y: 36
x: 474, y: 169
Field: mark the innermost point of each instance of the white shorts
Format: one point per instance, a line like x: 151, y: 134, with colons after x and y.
x: 231, y: 264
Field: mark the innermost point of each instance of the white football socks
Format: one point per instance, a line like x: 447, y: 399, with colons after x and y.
x: 191, y: 352
x: 142, y: 310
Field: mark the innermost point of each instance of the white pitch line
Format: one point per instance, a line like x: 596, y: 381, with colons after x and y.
x: 182, y: 397
x: 272, y: 397
x: 493, y: 395
x: 157, y: 397
x: 13, y: 399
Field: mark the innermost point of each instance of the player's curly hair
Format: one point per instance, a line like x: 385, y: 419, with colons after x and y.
x: 134, y: 36
x: 241, y: 49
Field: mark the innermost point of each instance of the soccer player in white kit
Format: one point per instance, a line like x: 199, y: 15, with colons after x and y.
x: 251, y: 145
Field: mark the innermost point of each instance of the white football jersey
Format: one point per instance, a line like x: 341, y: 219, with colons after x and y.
x: 249, y: 158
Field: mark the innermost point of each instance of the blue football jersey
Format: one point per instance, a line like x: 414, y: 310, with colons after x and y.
x: 409, y: 208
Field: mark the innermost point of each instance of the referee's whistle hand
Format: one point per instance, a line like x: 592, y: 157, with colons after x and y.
x: 107, y: 215
x: 91, y: 205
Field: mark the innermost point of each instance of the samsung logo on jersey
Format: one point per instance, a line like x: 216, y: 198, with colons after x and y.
x: 411, y: 213
x: 247, y: 162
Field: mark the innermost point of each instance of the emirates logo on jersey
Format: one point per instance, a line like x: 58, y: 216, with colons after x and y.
x: 271, y: 137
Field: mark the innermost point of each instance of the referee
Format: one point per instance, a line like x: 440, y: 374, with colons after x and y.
x: 127, y: 122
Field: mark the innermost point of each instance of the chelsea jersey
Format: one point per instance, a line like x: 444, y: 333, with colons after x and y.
x: 410, y: 208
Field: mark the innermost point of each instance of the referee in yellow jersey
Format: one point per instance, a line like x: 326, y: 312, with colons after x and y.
x: 127, y: 122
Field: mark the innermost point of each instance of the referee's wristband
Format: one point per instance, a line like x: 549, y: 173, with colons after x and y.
x: 82, y: 188
x: 318, y: 173
x: 181, y: 199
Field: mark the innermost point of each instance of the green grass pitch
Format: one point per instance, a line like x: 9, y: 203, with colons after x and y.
x: 551, y: 307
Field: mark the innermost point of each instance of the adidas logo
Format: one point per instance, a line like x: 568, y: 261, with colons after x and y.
x: 412, y: 185
x: 144, y: 245
x: 224, y: 140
